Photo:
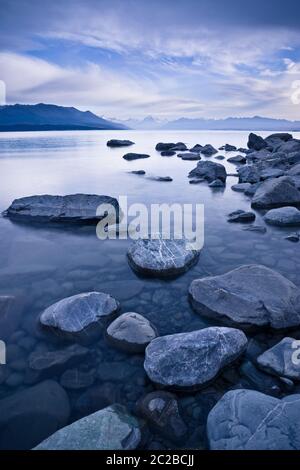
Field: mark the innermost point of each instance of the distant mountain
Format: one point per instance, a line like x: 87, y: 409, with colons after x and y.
x: 25, y: 117
x: 255, y: 123
x: 148, y: 123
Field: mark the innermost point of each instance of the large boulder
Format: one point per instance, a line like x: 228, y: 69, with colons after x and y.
x: 112, y: 428
x: 131, y: 332
x: 279, y: 360
x: 31, y: 415
x: 283, y: 216
x: 276, y: 193
x: 161, y: 258
x: 80, y: 317
x: 192, y: 360
x: 291, y: 146
x: 250, y: 420
x: 119, y: 143
x: 78, y: 208
x: 256, y: 142
x: 250, y: 295
x: 210, y: 171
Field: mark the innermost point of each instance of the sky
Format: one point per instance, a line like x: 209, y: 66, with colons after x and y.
x: 166, y: 58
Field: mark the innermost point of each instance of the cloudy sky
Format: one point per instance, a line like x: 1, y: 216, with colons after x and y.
x: 165, y: 58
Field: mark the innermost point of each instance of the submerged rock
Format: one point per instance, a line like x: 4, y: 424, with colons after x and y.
x: 210, y: 171
x: 168, y: 153
x: 135, y: 156
x: 275, y: 193
x: 250, y: 420
x: 293, y: 237
x: 255, y: 228
x: 11, y: 309
x: 79, y: 208
x: 31, y: 415
x: 283, y: 216
x: 80, y: 317
x: 119, y: 143
x: 251, y: 295
x: 131, y: 332
x: 112, y: 428
x: 138, y: 172
x: 161, y: 258
x: 282, y: 359
x: 192, y: 360
x: 76, y: 379
x: 189, y: 156
x: 241, y: 216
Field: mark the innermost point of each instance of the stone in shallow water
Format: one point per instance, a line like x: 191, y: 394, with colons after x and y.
x: 208, y: 150
x: 161, y: 258
x: 77, y: 208
x: 248, y: 174
x: 192, y: 360
x: 119, y: 143
x: 228, y: 148
x: 293, y: 237
x: 96, y: 398
x: 276, y: 193
x: 241, y: 216
x: 164, y: 146
x: 255, y: 228
x: 138, y: 172
x: 168, y: 153
x: 31, y: 415
x: 240, y: 187
x: 239, y: 159
x: 131, y: 332
x: 112, y: 428
x: 256, y: 142
x: 217, y: 184
x: 135, y: 156
x: 189, y: 156
x: 166, y: 179
x: 210, y: 171
x: 80, y: 317
x: 10, y: 315
x: 76, y: 379
x: 282, y: 359
x: 251, y: 295
x: 250, y: 420
x: 283, y: 216
x: 161, y: 411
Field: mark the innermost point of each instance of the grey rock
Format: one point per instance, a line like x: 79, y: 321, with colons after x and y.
x: 160, y: 409
x: 250, y: 420
x: 210, y: 171
x: 161, y: 258
x: 241, y: 216
x: 290, y: 146
x: 131, y: 332
x: 119, y: 143
x: 197, y: 148
x: 162, y: 146
x: 168, y: 153
x: 239, y: 159
x: 228, y: 148
x: 250, y: 191
x: 248, y: 174
x: 250, y: 295
x: 189, y: 156
x: 280, y: 359
x: 283, y: 216
x: 192, y: 360
x: 240, y: 187
x: 259, y: 380
x: 256, y: 142
x: 76, y: 379
x: 135, y: 156
x: 276, y: 193
x: 208, y: 150
x: 138, y: 172
x: 179, y: 147
x: 78, y: 208
x: 271, y: 173
x: 80, y: 317
x: 293, y: 237
x: 219, y: 157
x: 196, y: 180
x: 31, y: 415
x: 112, y: 428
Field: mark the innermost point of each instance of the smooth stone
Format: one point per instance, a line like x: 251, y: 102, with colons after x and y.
x: 166, y: 179
x: 119, y: 143
x: 241, y: 216
x: 138, y: 172
x: 240, y: 187
x: 220, y: 157
x: 217, y: 184
x: 76, y: 379
x: 248, y: 174
x: 50, y: 363
x: 209, y: 170
x: 179, y: 147
x: 31, y: 415
x: 283, y: 216
x: 251, y: 295
x: 291, y: 146
x: 78, y: 208
x: 168, y: 153
x: 256, y: 142
x: 239, y: 159
x: 192, y: 360
x: 252, y: 189
x: 80, y: 317
x: 135, y: 156
x: 131, y: 332
x: 228, y: 148
x: 250, y: 420
x: 161, y: 258
x: 208, y: 150
x: 160, y: 409
x: 189, y: 156
x: 162, y: 146
x: 112, y: 428
x: 197, y: 148
x: 11, y: 309
x: 276, y: 193
x: 278, y: 360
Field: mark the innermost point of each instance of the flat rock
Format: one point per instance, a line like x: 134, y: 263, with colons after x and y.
x: 135, y: 156
x: 192, y: 360
x: 112, y: 428
x: 250, y: 420
x: 276, y: 193
x: 79, y: 208
x: 161, y: 258
x: 210, y: 171
x: 119, y: 143
x: 80, y: 317
x: 283, y: 216
x: 131, y: 332
x: 278, y: 360
x: 239, y: 159
x: 189, y: 156
x: 31, y: 415
x: 241, y: 216
x: 250, y: 295
x: 160, y: 409
x: 240, y: 187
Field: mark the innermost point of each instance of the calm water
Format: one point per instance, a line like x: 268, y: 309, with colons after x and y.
x: 44, y: 264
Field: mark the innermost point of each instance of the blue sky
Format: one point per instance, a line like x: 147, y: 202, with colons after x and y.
x: 133, y: 58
